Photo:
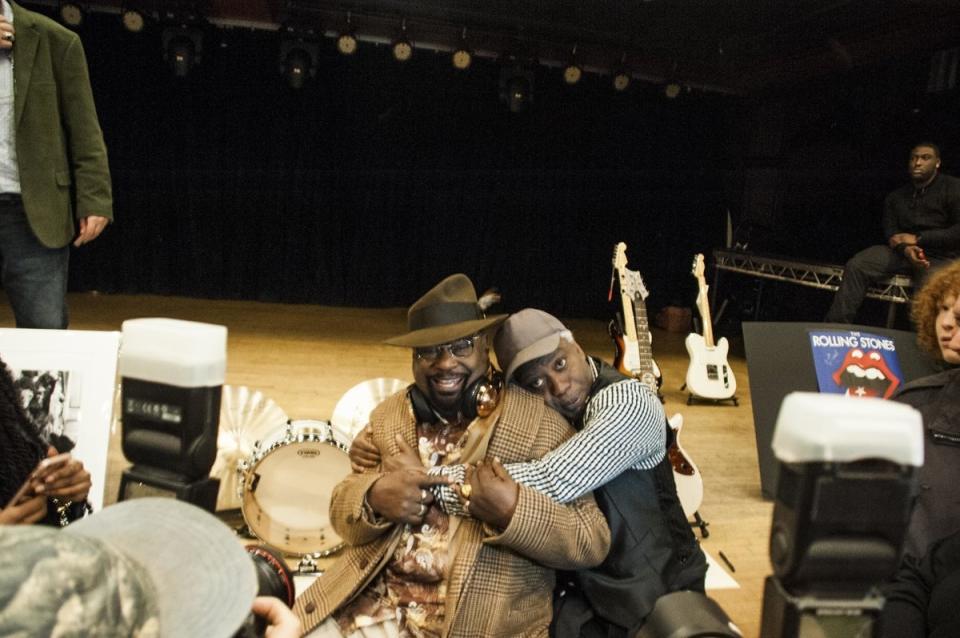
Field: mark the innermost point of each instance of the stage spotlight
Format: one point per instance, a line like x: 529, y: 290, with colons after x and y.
x: 133, y: 20
x: 462, y: 58
x: 516, y: 88
x: 298, y: 60
x: 672, y: 90
x: 182, y: 47
x: 71, y: 14
x: 347, y: 40
x: 573, y: 71
x: 347, y: 43
x: 621, y: 80
x: 401, y: 48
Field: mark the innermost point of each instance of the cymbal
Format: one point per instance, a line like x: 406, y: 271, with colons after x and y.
x: 246, y: 417
x: 352, y: 411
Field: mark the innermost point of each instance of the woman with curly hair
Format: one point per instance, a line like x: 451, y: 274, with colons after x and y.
x: 921, y: 599
x: 36, y: 483
x: 934, y: 313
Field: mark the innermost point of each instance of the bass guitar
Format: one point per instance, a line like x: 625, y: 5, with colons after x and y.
x: 635, y: 359
x: 709, y: 376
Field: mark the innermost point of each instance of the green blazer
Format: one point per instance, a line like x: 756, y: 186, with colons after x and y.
x: 60, y: 151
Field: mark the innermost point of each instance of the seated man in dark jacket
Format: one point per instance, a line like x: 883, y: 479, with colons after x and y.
x: 921, y: 222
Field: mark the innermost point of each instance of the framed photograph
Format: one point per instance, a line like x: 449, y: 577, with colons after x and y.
x: 67, y: 380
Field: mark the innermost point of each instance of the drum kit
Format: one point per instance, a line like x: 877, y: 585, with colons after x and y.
x: 281, y: 472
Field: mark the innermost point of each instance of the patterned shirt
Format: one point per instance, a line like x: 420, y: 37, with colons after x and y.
x: 412, y: 589
x: 623, y: 428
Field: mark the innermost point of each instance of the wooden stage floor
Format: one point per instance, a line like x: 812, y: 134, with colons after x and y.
x: 306, y: 357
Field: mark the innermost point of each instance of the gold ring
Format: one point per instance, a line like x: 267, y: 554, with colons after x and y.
x: 466, y: 489
x: 423, y: 509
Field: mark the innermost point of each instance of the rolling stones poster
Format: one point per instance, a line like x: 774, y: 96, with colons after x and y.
x: 858, y: 364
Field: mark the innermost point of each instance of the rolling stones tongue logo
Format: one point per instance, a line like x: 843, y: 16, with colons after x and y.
x: 865, y: 374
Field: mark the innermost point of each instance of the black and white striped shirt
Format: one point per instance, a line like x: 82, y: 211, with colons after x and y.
x: 623, y: 429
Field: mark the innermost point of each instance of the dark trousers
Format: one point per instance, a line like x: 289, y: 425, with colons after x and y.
x: 34, y: 276
x: 867, y: 267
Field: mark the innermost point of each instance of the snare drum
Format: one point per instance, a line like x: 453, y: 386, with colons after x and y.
x: 285, y: 487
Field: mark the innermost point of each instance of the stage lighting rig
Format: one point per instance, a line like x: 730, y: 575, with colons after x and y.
x: 402, y: 48
x: 347, y: 40
x: 572, y: 72
x: 182, y: 48
x: 462, y: 56
x: 516, y: 87
x: 132, y: 18
x: 299, y: 55
x: 72, y: 14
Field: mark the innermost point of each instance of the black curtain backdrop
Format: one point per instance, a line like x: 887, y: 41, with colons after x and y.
x: 377, y: 179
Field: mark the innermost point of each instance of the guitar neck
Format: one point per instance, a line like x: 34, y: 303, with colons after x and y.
x: 637, y: 332
x: 703, y: 305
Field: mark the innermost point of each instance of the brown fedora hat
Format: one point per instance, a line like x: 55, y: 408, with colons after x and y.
x: 447, y: 312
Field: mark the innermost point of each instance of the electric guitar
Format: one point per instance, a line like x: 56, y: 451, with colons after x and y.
x: 635, y: 359
x: 709, y: 375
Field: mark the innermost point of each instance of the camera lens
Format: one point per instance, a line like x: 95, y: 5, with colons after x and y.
x: 273, y: 576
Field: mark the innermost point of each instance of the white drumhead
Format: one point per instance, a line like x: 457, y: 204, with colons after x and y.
x: 286, y: 495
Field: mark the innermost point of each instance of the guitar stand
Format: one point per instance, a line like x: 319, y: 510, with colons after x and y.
x: 702, y: 524
x: 692, y: 398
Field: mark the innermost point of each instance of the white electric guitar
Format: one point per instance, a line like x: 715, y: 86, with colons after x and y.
x: 709, y: 375
x: 635, y: 359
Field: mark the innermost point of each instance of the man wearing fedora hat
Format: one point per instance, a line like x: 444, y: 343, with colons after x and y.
x: 411, y: 569
x: 619, y: 453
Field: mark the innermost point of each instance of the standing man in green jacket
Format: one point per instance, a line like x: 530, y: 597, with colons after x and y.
x: 54, y: 177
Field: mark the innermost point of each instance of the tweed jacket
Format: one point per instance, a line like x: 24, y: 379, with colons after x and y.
x: 61, y: 155
x: 500, y: 583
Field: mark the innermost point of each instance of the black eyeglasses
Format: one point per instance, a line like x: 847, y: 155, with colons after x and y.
x: 460, y: 348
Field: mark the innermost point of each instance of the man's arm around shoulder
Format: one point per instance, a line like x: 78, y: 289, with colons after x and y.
x: 570, y: 536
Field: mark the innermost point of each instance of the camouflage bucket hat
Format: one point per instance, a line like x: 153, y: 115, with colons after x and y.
x: 149, y: 567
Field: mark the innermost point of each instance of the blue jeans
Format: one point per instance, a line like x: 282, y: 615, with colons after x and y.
x: 34, y: 276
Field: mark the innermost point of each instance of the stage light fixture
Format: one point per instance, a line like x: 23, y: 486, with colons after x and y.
x: 133, y: 19
x: 298, y: 59
x: 573, y: 72
x: 182, y: 47
x: 516, y: 88
x: 347, y: 40
x: 621, y: 80
x: 71, y: 14
x: 347, y: 43
x: 462, y: 58
x: 672, y: 90
x: 401, y: 48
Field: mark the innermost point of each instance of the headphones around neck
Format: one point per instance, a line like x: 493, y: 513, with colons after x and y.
x: 479, y: 399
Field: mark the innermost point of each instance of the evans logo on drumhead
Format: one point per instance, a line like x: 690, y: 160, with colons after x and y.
x: 308, y: 453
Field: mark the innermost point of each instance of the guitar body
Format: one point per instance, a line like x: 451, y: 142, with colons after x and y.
x: 709, y: 376
x: 685, y: 473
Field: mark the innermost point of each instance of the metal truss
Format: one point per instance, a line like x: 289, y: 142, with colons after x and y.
x: 813, y: 274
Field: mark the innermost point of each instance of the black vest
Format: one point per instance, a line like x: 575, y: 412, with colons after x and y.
x: 652, y: 549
